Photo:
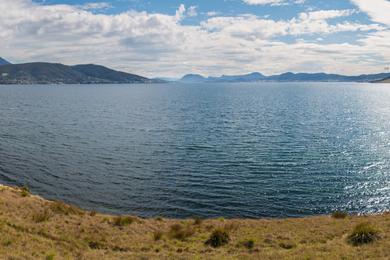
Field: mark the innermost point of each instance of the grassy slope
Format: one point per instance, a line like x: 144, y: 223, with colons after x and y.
x: 34, y: 228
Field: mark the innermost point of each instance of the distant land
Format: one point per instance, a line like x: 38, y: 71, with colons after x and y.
x: 288, y: 77
x: 55, y: 73
x: 3, y: 61
x: 386, y: 80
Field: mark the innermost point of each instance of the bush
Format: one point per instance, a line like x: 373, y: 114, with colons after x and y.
x: 121, y: 221
x: 339, y: 214
x: 363, y: 233
x: 218, y: 238
x: 179, y: 232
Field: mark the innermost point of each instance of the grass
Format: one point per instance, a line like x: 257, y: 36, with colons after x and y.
x: 363, y: 233
x: 180, y: 232
x: 157, y: 235
x: 62, y: 208
x: 218, y: 238
x: 339, y: 214
x: 34, y: 228
x: 249, y: 244
x: 25, y: 191
x: 122, y: 221
x: 42, y: 216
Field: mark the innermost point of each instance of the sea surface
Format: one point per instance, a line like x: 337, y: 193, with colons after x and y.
x: 175, y: 150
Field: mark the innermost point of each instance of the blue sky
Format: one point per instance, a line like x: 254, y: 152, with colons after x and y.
x: 174, y: 37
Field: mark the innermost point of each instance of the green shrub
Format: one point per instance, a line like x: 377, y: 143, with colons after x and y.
x: 339, y: 214
x: 180, y: 232
x: 363, y: 233
x: 218, y: 238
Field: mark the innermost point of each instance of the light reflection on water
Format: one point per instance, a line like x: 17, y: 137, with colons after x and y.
x: 248, y: 150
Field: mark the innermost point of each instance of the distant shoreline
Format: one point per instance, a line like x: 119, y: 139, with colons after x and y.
x: 57, y: 73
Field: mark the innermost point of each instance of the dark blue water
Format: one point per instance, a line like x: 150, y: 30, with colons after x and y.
x: 233, y: 150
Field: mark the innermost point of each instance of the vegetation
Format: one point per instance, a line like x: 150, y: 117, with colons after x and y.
x: 25, y: 191
x: 339, y: 214
x: 218, y: 238
x: 363, y: 233
x: 34, y: 228
x: 180, y: 232
x: 122, y: 221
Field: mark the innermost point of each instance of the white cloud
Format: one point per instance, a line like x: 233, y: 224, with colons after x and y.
x: 96, y: 6
x: 273, y: 2
x: 192, y: 11
x: 378, y: 10
x: 264, y: 2
x: 154, y: 44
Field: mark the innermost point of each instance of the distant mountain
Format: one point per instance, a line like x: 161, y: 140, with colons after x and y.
x: 386, y: 80
x: 239, y: 78
x: 3, y: 61
x: 55, y: 73
x: 191, y: 78
x: 287, y: 77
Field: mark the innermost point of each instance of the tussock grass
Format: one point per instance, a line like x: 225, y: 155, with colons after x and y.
x: 59, y: 207
x: 363, y: 233
x: 218, y: 238
x: 25, y: 191
x: 122, y: 221
x: 42, y: 216
x: 34, y: 228
x: 157, y: 235
x: 339, y: 214
x: 249, y: 244
x: 180, y: 232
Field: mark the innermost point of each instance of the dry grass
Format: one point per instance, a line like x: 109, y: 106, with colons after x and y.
x: 363, y: 233
x: 33, y: 228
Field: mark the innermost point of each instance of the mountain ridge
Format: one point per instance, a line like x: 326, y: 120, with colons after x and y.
x: 57, y: 73
x: 4, y: 62
x: 287, y: 77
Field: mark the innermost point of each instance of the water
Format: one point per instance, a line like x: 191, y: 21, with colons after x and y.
x: 233, y: 150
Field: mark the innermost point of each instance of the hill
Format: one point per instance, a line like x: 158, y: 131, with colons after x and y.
x: 35, y: 228
x: 3, y: 61
x: 288, y: 77
x: 193, y: 78
x: 386, y: 80
x: 55, y: 73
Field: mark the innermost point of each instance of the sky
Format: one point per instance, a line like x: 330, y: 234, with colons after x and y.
x: 170, y: 38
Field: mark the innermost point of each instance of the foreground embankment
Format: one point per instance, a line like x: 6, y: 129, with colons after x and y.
x: 35, y: 228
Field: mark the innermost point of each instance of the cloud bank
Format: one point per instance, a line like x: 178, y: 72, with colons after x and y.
x: 154, y: 44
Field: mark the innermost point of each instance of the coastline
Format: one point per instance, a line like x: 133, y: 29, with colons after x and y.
x: 35, y: 228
